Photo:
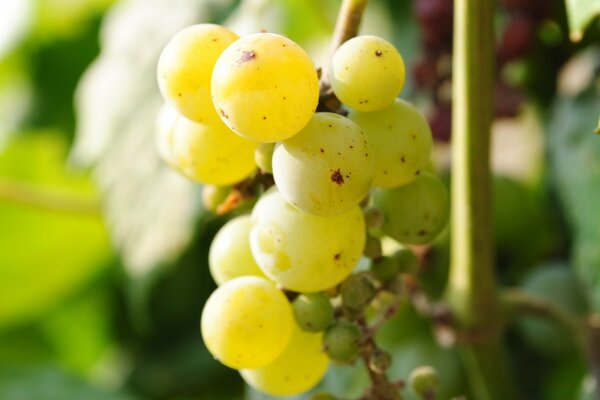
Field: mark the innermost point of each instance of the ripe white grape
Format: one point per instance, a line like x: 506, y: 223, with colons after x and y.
x: 401, y: 141
x: 229, y: 256
x: 185, y: 69
x: 163, y: 134
x: 300, y: 367
x: 211, y: 153
x: 247, y: 322
x: 327, y: 168
x: 301, y: 251
x: 265, y: 87
x: 415, y: 213
x: 367, y: 73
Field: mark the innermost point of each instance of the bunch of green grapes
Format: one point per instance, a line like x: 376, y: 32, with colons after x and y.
x: 299, y: 275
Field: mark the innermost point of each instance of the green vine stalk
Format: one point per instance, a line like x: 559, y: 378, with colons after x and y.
x: 471, y: 291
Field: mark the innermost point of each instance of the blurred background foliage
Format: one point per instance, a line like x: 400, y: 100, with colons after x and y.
x: 103, y: 250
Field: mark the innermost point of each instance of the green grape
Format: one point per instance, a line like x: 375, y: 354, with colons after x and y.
x: 247, y: 322
x: 373, y: 248
x: 211, y: 154
x: 313, y: 311
x: 380, y: 361
x: 327, y: 168
x: 229, y: 256
x: 385, y: 268
x: 163, y: 133
x: 304, y: 252
x: 415, y: 213
x: 406, y: 260
x: 341, y: 341
x: 357, y: 292
x: 265, y: 87
x: 424, y: 382
x: 401, y: 141
x: 263, y: 155
x: 185, y: 69
x: 367, y: 73
x: 300, y: 367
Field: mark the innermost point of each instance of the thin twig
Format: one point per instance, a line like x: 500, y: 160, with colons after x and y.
x: 26, y: 194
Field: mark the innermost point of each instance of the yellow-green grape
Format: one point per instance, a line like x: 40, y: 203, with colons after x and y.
x: 163, y: 133
x: 247, y: 323
x: 298, y: 369
x: 367, y: 73
x: 415, y: 213
x: 229, y: 256
x: 327, y: 168
x: 401, y: 141
x: 304, y: 252
x: 185, y: 69
x: 265, y: 87
x: 313, y: 311
x: 264, y: 157
x: 211, y: 153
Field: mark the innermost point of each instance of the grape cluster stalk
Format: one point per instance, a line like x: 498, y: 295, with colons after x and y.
x: 302, y: 278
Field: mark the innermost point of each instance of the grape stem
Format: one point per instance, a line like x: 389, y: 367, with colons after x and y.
x: 471, y: 291
x: 346, y: 27
x: 517, y: 302
x: 25, y: 194
x: 382, y: 388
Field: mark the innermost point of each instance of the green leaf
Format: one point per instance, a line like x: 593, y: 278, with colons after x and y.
x: 45, y: 255
x: 580, y: 14
x: 47, y: 383
x: 151, y: 210
x: 574, y: 152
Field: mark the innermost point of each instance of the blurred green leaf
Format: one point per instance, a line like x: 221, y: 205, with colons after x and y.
x: 580, y: 14
x: 48, y: 383
x: 45, y: 255
x: 151, y: 210
x: 574, y: 152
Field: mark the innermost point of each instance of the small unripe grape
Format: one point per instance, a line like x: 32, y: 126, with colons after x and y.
x: 263, y: 155
x: 358, y: 291
x: 380, y: 361
x: 406, y: 260
x: 424, y: 382
x: 213, y: 196
x: 373, y: 248
x: 341, y: 341
x: 385, y: 269
x: 313, y: 311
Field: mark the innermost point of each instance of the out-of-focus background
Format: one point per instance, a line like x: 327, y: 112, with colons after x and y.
x: 103, y: 249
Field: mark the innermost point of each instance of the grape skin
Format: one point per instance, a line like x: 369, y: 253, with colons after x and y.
x: 211, y: 154
x: 229, y: 256
x: 300, y: 367
x: 304, y: 252
x: 265, y: 87
x: 247, y: 322
x: 327, y: 168
x: 415, y: 213
x: 163, y: 134
x: 401, y: 141
x: 367, y: 73
x: 185, y: 69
